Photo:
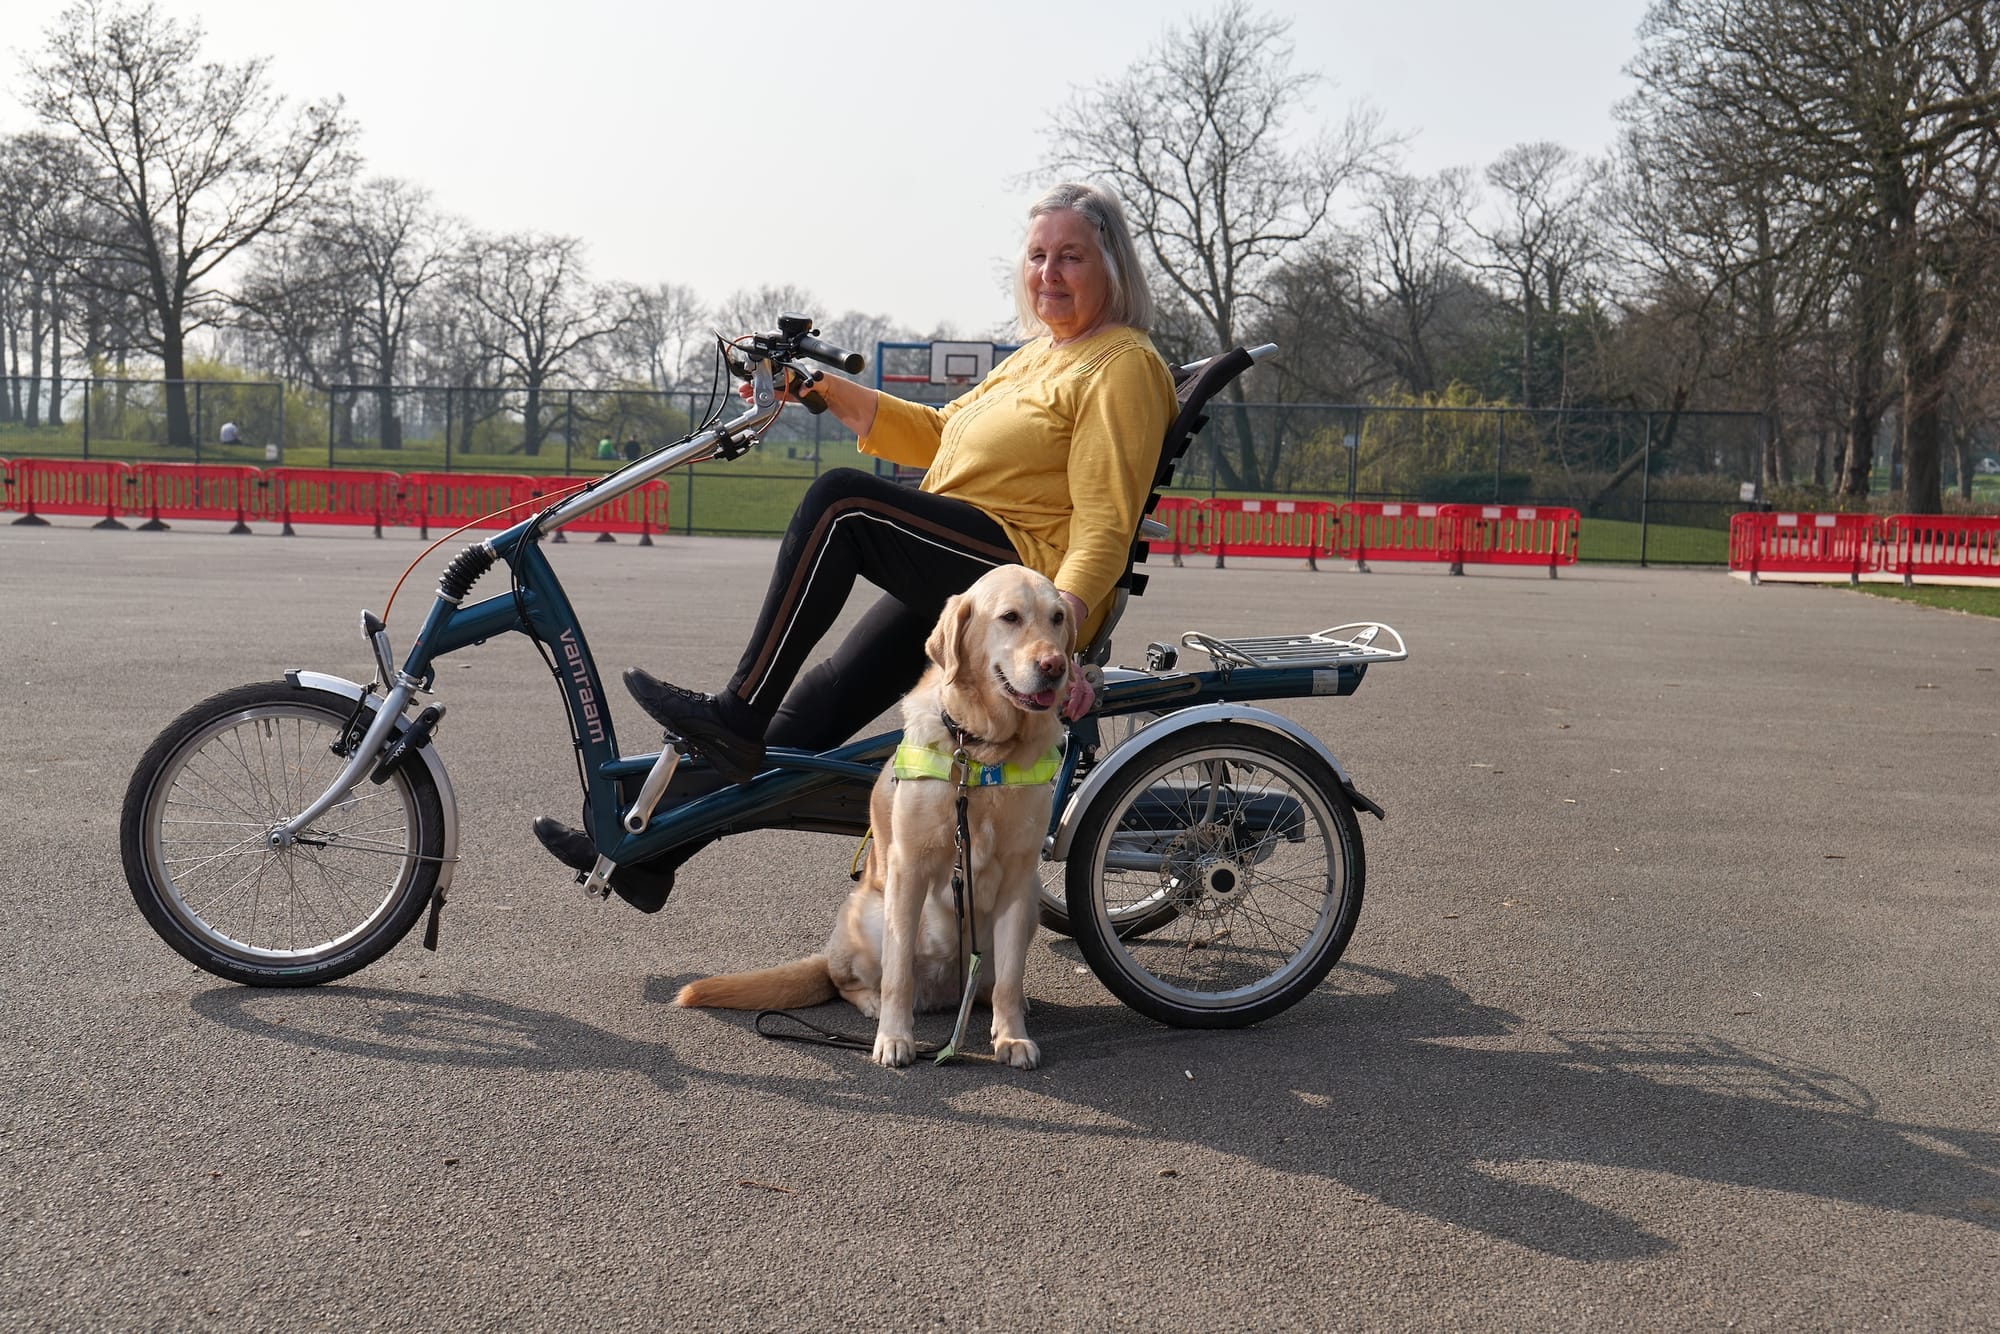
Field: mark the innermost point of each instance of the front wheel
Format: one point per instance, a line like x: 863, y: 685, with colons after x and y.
x: 202, y: 870
x: 1240, y: 849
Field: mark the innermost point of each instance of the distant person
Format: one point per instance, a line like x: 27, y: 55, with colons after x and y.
x: 631, y: 449
x: 229, y: 433
x: 606, y: 450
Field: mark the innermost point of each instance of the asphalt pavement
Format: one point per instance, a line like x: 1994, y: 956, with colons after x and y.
x: 1672, y: 1002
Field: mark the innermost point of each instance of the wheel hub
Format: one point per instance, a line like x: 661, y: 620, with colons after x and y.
x: 1204, y: 880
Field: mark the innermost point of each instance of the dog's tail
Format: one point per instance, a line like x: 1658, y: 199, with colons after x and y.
x: 787, y: 986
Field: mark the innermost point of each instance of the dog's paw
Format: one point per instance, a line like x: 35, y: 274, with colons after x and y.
x: 1021, y: 1053
x: 893, y: 1051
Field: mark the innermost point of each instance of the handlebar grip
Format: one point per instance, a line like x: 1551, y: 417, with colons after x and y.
x: 837, y: 357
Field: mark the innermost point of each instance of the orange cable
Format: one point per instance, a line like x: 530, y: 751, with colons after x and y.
x: 537, y: 500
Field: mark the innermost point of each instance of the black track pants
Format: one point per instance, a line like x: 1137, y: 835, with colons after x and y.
x: 916, y: 547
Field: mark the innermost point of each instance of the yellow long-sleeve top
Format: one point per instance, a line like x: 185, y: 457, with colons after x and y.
x: 1057, y: 445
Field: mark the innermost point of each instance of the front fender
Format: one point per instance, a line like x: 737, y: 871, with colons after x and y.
x: 340, y: 685
x: 1178, y: 721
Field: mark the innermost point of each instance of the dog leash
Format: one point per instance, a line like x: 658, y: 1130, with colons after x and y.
x: 817, y: 1036
x: 961, y: 896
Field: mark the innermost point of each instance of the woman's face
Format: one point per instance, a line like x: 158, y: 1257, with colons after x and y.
x: 1068, y: 286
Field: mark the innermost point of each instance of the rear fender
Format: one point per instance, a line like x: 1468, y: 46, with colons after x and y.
x: 1180, y: 720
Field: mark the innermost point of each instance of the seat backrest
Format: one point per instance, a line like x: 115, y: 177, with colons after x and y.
x: 1194, y: 386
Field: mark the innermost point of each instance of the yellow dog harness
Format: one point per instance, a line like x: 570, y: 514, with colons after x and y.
x: 914, y: 761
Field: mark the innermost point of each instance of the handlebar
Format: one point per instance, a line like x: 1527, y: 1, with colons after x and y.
x: 837, y: 357
x: 767, y: 361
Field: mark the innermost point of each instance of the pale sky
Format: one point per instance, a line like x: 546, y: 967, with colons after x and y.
x: 862, y: 151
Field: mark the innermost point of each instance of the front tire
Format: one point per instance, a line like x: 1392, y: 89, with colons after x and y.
x: 1239, y: 847
x: 193, y: 840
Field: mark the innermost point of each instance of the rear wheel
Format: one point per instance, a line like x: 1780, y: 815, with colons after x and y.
x: 1239, y: 848
x: 1113, y: 731
x: 195, y: 828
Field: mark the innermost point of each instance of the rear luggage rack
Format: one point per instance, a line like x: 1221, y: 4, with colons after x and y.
x: 1353, y: 644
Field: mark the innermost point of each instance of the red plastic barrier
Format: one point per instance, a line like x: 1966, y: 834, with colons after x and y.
x: 70, y: 486
x: 1377, y: 530
x: 331, y: 495
x: 1824, y: 544
x: 1187, y: 524
x: 1941, y: 546
x: 483, y: 500
x: 642, y: 510
x: 1267, y: 528
x: 163, y: 491
x: 1513, y: 535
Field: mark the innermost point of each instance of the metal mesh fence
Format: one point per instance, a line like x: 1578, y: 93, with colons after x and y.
x: 142, y: 420
x: 1651, y: 486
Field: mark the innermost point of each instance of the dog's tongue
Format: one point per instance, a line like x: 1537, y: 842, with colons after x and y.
x: 1042, y: 699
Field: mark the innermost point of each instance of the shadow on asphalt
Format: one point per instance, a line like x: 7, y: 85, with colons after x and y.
x: 1399, y: 1087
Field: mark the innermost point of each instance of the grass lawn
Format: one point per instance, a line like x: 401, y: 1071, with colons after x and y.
x: 1973, y: 601
x: 1666, y: 544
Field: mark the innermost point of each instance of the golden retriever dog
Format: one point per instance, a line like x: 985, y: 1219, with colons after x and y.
x: 1000, y: 665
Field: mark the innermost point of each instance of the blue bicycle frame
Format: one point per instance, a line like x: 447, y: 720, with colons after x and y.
x: 803, y: 790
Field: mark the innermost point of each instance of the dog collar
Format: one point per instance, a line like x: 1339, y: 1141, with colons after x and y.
x: 913, y: 761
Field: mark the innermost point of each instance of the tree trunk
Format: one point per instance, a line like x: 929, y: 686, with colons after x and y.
x: 173, y: 358
x: 1527, y: 346
x: 1773, y: 467
x: 1637, y: 457
x: 1923, y: 484
x: 1864, y: 417
x: 531, y: 421
x: 10, y: 355
x: 1927, y: 355
x: 385, y: 412
x: 35, y: 334
x: 55, y: 363
x: 1871, y: 316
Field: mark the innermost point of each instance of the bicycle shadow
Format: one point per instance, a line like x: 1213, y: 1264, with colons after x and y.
x: 1371, y: 1085
x: 463, y: 1031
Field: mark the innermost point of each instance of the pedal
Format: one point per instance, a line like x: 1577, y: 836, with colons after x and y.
x: 597, y: 884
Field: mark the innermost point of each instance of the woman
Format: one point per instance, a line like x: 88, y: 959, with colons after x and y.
x: 1046, y: 463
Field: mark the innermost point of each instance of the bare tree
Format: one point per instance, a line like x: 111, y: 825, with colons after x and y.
x: 39, y: 207
x: 300, y: 307
x: 1193, y: 140
x: 194, y: 159
x: 540, y: 309
x: 665, y: 320
x: 1885, y: 115
x: 1542, y: 242
x: 394, y: 245
x: 1409, y: 272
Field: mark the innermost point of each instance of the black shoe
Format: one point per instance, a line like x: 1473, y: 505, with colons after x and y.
x: 699, y: 719
x: 645, y: 885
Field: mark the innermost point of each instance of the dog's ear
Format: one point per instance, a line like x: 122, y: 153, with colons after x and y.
x: 945, y: 646
x: 1072, y: 630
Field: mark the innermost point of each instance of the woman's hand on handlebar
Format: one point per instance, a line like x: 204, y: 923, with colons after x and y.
x: 853, y: 404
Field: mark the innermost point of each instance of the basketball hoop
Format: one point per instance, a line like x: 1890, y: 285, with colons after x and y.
x: 960, y: 364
